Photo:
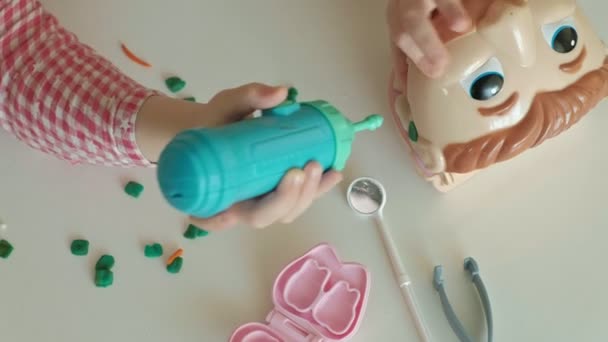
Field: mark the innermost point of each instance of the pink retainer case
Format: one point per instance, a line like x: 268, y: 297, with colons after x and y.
x: 317, y: 298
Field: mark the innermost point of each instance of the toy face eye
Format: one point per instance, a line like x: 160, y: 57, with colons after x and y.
x: 486, y: 82
x: 562, y: 36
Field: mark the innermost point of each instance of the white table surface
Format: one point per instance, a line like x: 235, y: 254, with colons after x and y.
x: 539, y: 236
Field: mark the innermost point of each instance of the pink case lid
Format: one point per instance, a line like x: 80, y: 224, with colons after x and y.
x: 317, y: 298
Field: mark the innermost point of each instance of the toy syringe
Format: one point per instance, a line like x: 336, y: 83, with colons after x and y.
x: 203, y: 172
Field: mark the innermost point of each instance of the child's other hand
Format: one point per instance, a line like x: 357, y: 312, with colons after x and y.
x: 298, y: 189
x: 413, y: 34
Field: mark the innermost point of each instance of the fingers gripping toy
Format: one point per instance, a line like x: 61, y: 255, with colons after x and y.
x: 525, y: 73
x: 203, y: 172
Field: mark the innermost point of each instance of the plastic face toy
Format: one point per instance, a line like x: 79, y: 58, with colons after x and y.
x: 525, y: 73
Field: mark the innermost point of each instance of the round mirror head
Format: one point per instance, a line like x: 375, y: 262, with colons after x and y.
x: 366, y: 196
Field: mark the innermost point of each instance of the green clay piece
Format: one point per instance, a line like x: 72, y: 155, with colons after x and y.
x: 80, y: 247
x: 201, y: 233
x: 190, y: 233
x: 104, y: 278
x: 5, y: 249
x: 153, y: 251
x: 175, y: 84
x: 106, y: 262
x: 175, y: 266
x: 193, y: 232
x: 413, y: 132
x: 191, y: 99
x: 134, y: 189
x: 292, y: 94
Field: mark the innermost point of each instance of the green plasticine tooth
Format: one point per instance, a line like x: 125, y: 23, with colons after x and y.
x: 192, y: 232
x: 153, y: 251
x: 5, y: 249
x: 175, y: 84
x: 176, y: 266
x: 413, y: 132
x: 104, y: 278
x: 106, y: 262
x: 134, y: 189
x: 80, y: 247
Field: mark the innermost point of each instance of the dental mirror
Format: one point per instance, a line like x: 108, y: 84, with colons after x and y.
x: 367, y: 197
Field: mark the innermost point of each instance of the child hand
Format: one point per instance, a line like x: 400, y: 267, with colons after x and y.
x: 297, y: 190
x: 413, y: 35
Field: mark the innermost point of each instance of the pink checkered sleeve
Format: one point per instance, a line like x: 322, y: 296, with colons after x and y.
x: 60, y: 97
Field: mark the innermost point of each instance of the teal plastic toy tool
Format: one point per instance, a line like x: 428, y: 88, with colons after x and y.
x: 203, y: 172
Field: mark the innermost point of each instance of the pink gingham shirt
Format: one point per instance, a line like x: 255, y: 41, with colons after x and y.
x: 60, y: 97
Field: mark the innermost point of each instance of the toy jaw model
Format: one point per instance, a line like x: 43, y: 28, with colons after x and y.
x: 527, y: 72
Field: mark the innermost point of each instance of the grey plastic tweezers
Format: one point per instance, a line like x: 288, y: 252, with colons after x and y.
x: 471, y: 266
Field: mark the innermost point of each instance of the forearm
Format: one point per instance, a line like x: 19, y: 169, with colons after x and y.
x: 161, y: 118
x: 59, y: 96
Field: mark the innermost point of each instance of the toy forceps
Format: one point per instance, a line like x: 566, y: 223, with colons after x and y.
x: 470, y: 265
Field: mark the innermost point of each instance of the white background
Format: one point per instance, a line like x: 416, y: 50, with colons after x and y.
x: 537, y: 225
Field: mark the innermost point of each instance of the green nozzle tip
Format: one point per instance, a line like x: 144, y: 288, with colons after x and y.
x: 371, y: 123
